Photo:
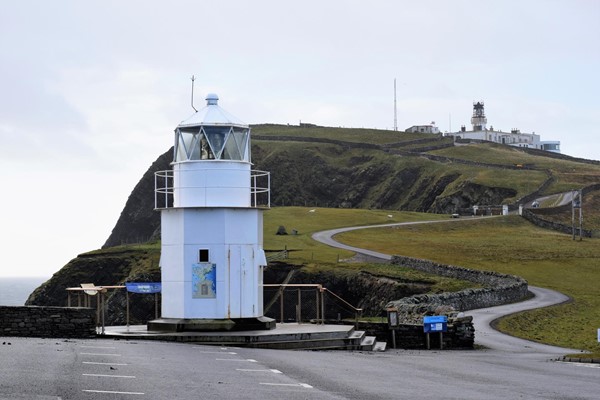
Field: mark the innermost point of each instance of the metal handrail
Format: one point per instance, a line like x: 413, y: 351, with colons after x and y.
x: 166, y: 189
x: 163, y: 185
x: 343, y: 301
x: 280, y: 255
x: 357, y: 311
x: 320, y: 306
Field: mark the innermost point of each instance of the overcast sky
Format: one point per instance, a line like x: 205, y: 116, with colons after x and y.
x: 90, y: 91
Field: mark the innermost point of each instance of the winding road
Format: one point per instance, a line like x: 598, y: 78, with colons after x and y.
x: 483, y: 317
x: 98, y: 369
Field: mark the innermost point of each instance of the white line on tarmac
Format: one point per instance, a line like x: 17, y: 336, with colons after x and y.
x: 110, y: 376
x: 100, y: 354
x: 586, y: 365
x: 216, y: 352
x: 304, y: 385
x: 235, y: 359
x: 100, y: 363
x: 275, y: 371
x: 110, y: 392
x: 97, y: 347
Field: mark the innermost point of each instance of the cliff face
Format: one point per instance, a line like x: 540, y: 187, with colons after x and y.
x: 138, y: 222
x: 303, y: 172
x: 326, y: 175
x: 109, y: 267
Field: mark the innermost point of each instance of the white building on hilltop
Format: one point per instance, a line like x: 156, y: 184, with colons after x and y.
x: 513, y: 138
x: 431, y: 128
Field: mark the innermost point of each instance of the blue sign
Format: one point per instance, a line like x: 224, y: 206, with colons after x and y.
x: 436, y: 323
x: 143, y: 287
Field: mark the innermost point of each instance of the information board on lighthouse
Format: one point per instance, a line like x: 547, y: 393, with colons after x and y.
x: 204, y: 281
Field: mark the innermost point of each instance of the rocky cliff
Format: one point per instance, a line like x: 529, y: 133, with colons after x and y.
x: 305, y: 171
x: 328, y: 175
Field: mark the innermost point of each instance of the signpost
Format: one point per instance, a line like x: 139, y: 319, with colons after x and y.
x: 143, y: 288
x: 393, y: 323
x: 435, y: 323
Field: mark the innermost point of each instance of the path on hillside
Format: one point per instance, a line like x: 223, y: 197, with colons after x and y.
x: 557, y: 200
x: 485, y: 335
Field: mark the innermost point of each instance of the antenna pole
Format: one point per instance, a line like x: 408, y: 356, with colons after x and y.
x: 395, y: 108
x: 193, y: 79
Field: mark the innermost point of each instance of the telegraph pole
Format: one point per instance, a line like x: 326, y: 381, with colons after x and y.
x: 576, y: 204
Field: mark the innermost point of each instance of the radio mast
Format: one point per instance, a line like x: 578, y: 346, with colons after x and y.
x: 395, y: 108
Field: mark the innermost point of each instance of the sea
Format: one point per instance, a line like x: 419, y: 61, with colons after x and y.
x: 15, y: 291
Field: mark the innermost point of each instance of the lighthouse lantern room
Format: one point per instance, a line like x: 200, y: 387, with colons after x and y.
x: 211, y: 205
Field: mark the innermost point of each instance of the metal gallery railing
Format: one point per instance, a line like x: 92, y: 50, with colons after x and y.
x: 307, y: 303
x: 260, y: 189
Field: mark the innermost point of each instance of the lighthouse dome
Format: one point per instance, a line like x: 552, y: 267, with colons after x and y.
x: 212, y: 134
x: 212, y: 114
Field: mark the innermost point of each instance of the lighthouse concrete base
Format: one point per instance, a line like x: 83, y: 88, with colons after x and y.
x: 210, y: 325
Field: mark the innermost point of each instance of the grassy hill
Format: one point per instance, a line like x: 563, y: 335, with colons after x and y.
x: 376, y: 169
x: 363, y: 168
x: 514, y: 246
x: 363, y: 176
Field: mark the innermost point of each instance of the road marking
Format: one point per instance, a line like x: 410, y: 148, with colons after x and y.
x: 110, y: 392
x: 216, y: 352
x: 275, y: 371
x: 585, y: 365
x: 101, y: 363
x: 97, y: 347
x: 304, y: 385
x: 235, y: 359
x: 100, y: 354
x: 110, y: 376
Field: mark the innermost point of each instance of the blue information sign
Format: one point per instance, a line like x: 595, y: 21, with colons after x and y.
x: 143, y: 287
x: 436, y: 323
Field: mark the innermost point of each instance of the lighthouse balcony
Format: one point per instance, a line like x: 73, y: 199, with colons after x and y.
x: 173, y: 189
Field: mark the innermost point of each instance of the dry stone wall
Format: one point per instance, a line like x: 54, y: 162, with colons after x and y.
x: 536, y: 216
x: 460, y: 334
x: 535, y: 219
x: 498, y: 288
x: 50, y: 322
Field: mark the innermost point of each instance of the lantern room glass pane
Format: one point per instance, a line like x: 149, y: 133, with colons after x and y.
x: 180, y: 154
x: 187, y: 139
x: 231, y: 151
x: 241, y: 139
x: 181, y: 149
x: 216, y: 137
x: 205, y: 151
x: 194, y: 149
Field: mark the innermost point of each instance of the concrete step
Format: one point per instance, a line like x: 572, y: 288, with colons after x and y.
x: 367, y: 343
x: 380, y: 346
x: 285, y: 336
x: 306, y: 344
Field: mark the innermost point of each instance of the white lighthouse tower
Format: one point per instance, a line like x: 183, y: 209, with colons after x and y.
x: 211, y: 206
x: 478, y: 120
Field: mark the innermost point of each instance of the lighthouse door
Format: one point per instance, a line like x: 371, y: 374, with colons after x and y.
x: 242, y: 285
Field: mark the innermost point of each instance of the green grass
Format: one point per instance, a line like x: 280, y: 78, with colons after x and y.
x: 511, y: 245
x: 374, y: 136
x: 303, y: 249
x: 316, y: 257
x: 593, y: 354
x: 569, y: 174
x: 523, y: 181
x: 591, y: 218
x: 504, y: 244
